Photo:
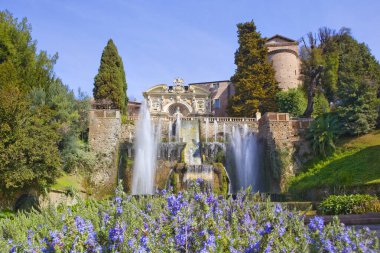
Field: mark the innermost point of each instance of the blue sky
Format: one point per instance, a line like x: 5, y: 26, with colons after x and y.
x: 160, y: 40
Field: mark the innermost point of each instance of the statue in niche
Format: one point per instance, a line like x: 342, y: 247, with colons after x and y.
x: 161, y: 103
x: 201, y: 106
x: 194, y: 104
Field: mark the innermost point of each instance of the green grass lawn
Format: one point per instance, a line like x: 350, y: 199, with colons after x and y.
x: 356, y: 162
x: 68, y: 181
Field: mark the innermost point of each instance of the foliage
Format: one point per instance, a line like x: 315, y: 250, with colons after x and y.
x: 28, y: 144
x: 311, y: 69
x: 341, y: 169
x: 349, y: 204
x: 321, y: 105
x: 255, y: 85
x: 350, y: 78
x: 39, y: 115
x: 357, y: 108
x: 323, y: 132
x: 221, y: 181
x: 185, y: 222
x: 110, y: 83
x: 292, y: 101
x: 6, y: 214
x: 330, y: 77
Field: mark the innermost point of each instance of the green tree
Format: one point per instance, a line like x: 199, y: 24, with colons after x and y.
x: 358, y: 107
x: 292, y: 101
x: 38, y: 114
x: 255, y: 84
x: 357, y: 86
x: 29, y: 156
x: 350, y: 78
x: 110, y: 82
x: 321, y: 104
x: 330, y: 76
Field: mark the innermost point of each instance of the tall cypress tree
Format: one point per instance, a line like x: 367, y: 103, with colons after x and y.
x: 255, y: 84
x: 110, y: 83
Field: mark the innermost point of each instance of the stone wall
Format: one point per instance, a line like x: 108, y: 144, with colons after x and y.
x: 285, y: 147
x: 281, y: 136
x: 104, y: 136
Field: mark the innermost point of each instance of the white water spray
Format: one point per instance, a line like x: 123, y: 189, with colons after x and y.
x: 170, y: 127
x: 245, y: 152
x: 215, y: 130
x: 224, y: 132
x: 146, y: 152
x: 206, y: 135
x: 178, y: 127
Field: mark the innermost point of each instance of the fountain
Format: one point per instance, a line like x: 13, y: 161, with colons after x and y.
x: 206, y: 135
x: 170, y: 128
x: 224, y: 132
x: 245, y: 155
x: 215, y: 130
x: 178, y: 125
x: 146, y: 152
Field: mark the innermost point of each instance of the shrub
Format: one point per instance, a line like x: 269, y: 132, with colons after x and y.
x: 292, y: 101
x: 349, y: 204
x: 323, y: 133
x: 321, y: 105
x: 190, y: 221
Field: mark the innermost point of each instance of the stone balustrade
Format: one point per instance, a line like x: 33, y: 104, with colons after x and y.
x: 202, y: 118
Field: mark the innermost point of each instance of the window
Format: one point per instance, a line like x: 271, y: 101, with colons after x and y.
x: 215, y: 86
x: 216, y: 103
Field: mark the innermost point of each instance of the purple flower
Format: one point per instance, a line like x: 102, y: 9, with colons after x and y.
x: 267, y: 228
x: 328, y: 246
x: 144, y: 242
x: 29, y: 237
x: 316, y: 224
x: 81, y: 224
x: 197, y: 196
x: 278, y: 209
x: 118, y: 200
x: 174, y: 203
x: 131, y: 243
x: 106, y: 218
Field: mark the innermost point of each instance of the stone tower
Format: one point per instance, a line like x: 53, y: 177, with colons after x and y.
x: 283, y: 53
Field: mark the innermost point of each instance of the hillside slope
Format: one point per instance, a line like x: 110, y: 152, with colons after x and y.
x: 356, y: 162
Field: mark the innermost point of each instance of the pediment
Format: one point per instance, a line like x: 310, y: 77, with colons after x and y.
x: 279, y: 39
x: 158, y: 88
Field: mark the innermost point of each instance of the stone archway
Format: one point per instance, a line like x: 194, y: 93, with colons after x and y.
x: 172, y: 109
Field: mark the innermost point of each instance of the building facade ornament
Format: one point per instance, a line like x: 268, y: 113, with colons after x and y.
x: 164, y: 100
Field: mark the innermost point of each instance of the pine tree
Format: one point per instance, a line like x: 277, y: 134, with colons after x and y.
x: 255, y: 84
x: 110, y: 83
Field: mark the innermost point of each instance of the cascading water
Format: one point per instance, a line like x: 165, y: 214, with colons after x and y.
x: 146, y: 152
x: 245, y: 151
x: 170, y: 131
x: 224, y: 132
x: 215, y: 130
x: 206, y: 130
x: 178, y: 127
